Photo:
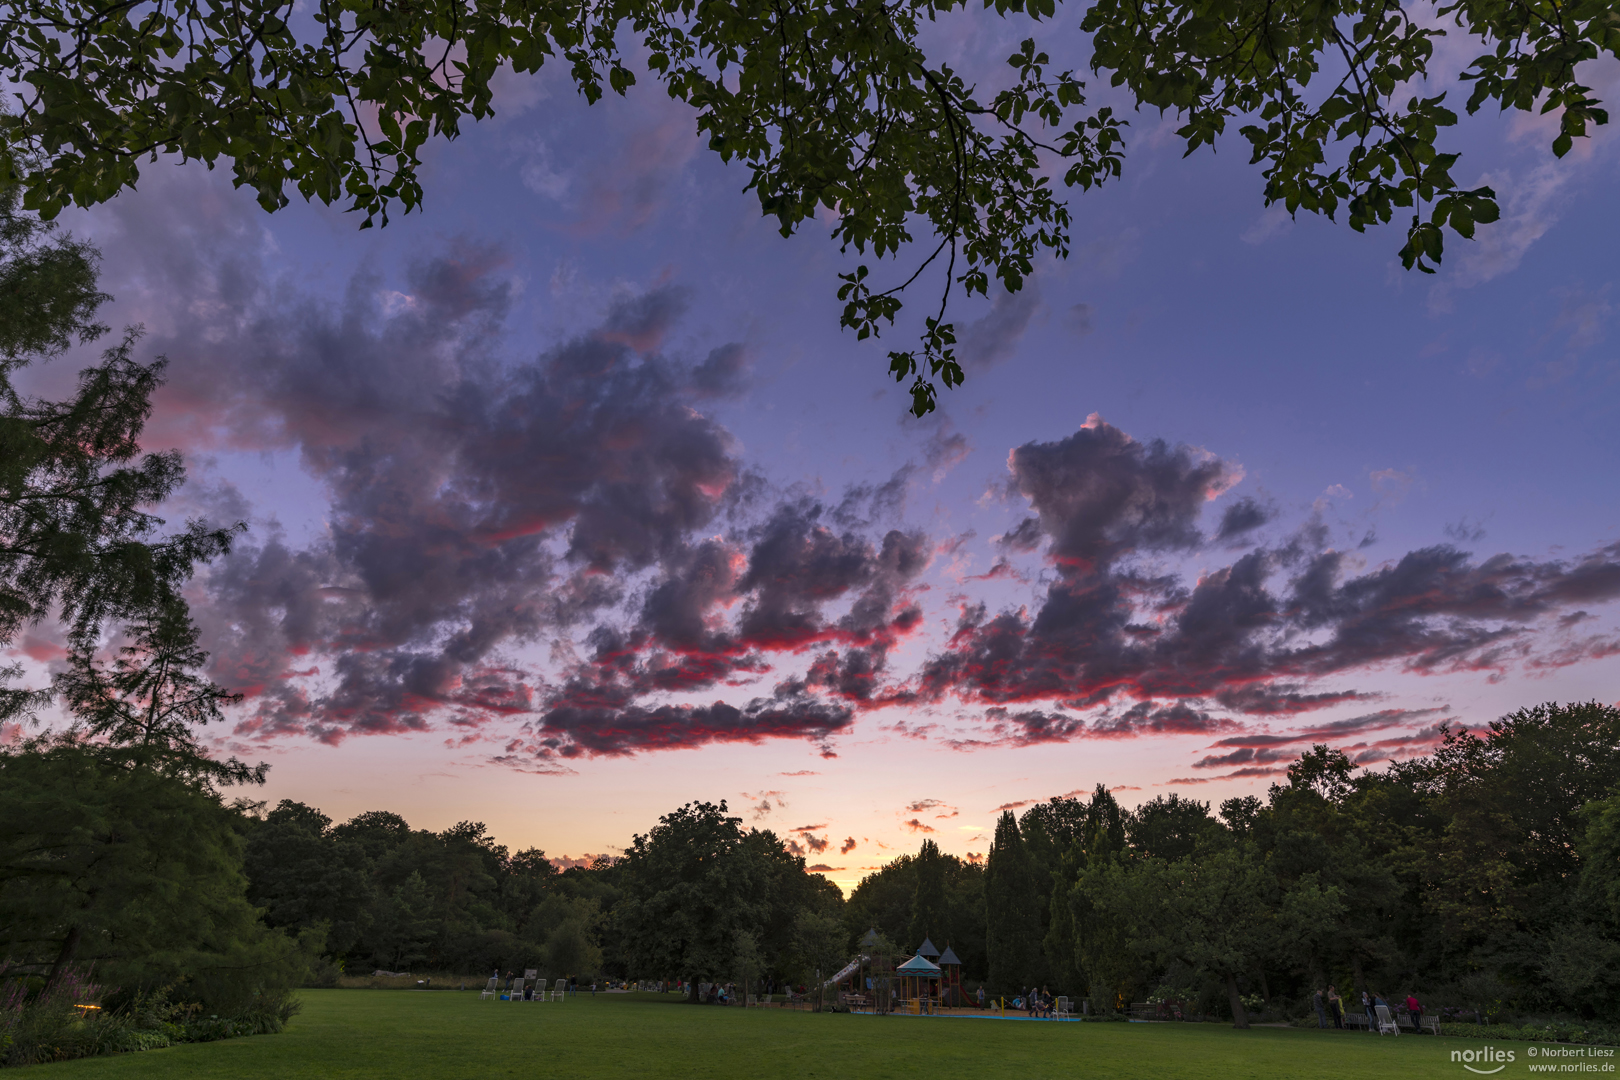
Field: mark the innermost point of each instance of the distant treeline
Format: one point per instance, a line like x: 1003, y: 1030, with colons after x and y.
x: 1486, y: 874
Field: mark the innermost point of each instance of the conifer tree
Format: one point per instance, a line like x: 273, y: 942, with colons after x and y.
x: 1012, y: 911
x: 79, y: 542
x: 116, y: 848
x: 929, y: 905
x: 148, y: 705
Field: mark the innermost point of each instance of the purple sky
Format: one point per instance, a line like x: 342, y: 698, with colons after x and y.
x: 569, y: 501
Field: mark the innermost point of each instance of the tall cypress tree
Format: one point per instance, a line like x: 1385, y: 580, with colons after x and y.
x: 929, y: 906
x: 1012, y: 918
x: 1105, y: 824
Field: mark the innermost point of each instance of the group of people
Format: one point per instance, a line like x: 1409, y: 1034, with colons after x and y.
x: 1330, y: 1008
x: 1036, y: 1002
x: 709, y: 993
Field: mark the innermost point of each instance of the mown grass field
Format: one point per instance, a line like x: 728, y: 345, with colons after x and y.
x: 404, y: 1035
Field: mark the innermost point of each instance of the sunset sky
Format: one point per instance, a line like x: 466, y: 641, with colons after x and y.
x: 569, y: 502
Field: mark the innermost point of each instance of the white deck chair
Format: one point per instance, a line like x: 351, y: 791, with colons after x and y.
x: 1386, y: 1022
x: 491, y: 990
x: 559, y: 990
x: 516, y: 992
x: 540, y: 990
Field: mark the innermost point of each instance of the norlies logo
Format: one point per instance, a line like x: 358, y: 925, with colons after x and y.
x: 1488, y: 1056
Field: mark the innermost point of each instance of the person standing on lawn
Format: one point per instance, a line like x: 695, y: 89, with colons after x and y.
x: 1336, y: 1007
x: 1367, y: 1007
x: 1321, y: 1009
x: 1415, y: 1007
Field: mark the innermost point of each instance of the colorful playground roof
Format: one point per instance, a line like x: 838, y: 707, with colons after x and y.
x: 950, y: 957
x: 918, y: 965
x: 927, y: 949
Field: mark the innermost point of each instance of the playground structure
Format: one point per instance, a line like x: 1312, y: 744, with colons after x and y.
x: 926, y: 982
x: 919, y: 984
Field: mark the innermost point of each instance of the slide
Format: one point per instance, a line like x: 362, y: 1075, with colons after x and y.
x: 849, y: 969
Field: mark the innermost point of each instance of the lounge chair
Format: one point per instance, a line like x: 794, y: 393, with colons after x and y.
x: 1386, y: 1022
x: 490, y: 990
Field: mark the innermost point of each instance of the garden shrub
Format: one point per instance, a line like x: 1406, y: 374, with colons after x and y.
x: 75, y: 1018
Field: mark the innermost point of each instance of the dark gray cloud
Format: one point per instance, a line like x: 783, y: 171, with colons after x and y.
x: 1100, y: 494
x: 478, y: 504
x: 1336, y: 729
x: 991, y: 340
x: 783, y: 574
x: 569, y: 731
x: 724, y: 373
x: 1144, y: 719
x: 1242, y: 517
x: 1251, y: 636
x: 1282, y: 698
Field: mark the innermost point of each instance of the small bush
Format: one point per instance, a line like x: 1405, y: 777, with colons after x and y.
x: 50, y: 1023
x: 70, y: 1020
x: 1553, y: 1031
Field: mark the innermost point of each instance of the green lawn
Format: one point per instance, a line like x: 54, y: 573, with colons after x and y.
x: 403, y: 1035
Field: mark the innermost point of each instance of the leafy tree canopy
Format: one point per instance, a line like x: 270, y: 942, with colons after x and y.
x: 134, y: 871
x: 1170, y: 827
x: 828, y: 105
x: 704, y: 898
x: 300, y: 877
x: 1220, y: 915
